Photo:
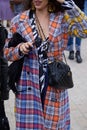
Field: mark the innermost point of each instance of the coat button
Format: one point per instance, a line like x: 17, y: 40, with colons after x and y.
x: 29, y: 88
x: 28, y: 72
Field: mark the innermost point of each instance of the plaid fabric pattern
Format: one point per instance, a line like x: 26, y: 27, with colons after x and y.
x: 56, y: 110
x: 28, y: 106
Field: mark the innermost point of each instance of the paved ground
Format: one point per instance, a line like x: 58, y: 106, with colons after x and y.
x: 78, y: 95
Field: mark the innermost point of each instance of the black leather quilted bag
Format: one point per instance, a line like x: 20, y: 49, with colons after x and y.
x: 59, y: 75
x: 14, y: 69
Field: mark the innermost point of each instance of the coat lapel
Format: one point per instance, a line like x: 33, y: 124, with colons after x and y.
x: 25, y: 26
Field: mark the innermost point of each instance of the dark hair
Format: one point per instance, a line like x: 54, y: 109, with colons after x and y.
x: 57, y: 5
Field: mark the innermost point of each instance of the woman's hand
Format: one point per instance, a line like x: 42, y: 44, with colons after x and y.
x: 25, y: 47
x: 60, y: 1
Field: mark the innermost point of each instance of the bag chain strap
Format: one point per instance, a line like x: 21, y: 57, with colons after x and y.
x: 40, y: 29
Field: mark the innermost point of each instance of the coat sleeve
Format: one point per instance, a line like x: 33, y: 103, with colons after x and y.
x: 76, y: 21
x: 12, y: 53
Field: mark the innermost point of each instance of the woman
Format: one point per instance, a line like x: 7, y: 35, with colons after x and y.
x: 70, y: 45
x: 45, y: 26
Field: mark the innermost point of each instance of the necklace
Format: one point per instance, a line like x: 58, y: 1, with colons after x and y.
x: 40, y: 29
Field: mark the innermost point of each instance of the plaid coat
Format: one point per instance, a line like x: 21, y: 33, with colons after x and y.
x: 28, y: 107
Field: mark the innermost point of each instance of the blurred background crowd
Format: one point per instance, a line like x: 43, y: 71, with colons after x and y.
x: 9, y: 9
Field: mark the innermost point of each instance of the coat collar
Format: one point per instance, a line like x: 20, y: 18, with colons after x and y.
x: 26, y: 19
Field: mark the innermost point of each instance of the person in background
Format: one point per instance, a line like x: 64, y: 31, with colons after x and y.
x: 4, y: 90
x: 46, y: 26
x: 17, y: 6
x: 6, y: 13
x: 77, y: 52
x: 85, y: 7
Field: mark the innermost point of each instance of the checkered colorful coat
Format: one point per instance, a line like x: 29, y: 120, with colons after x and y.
x: 28, y: 106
